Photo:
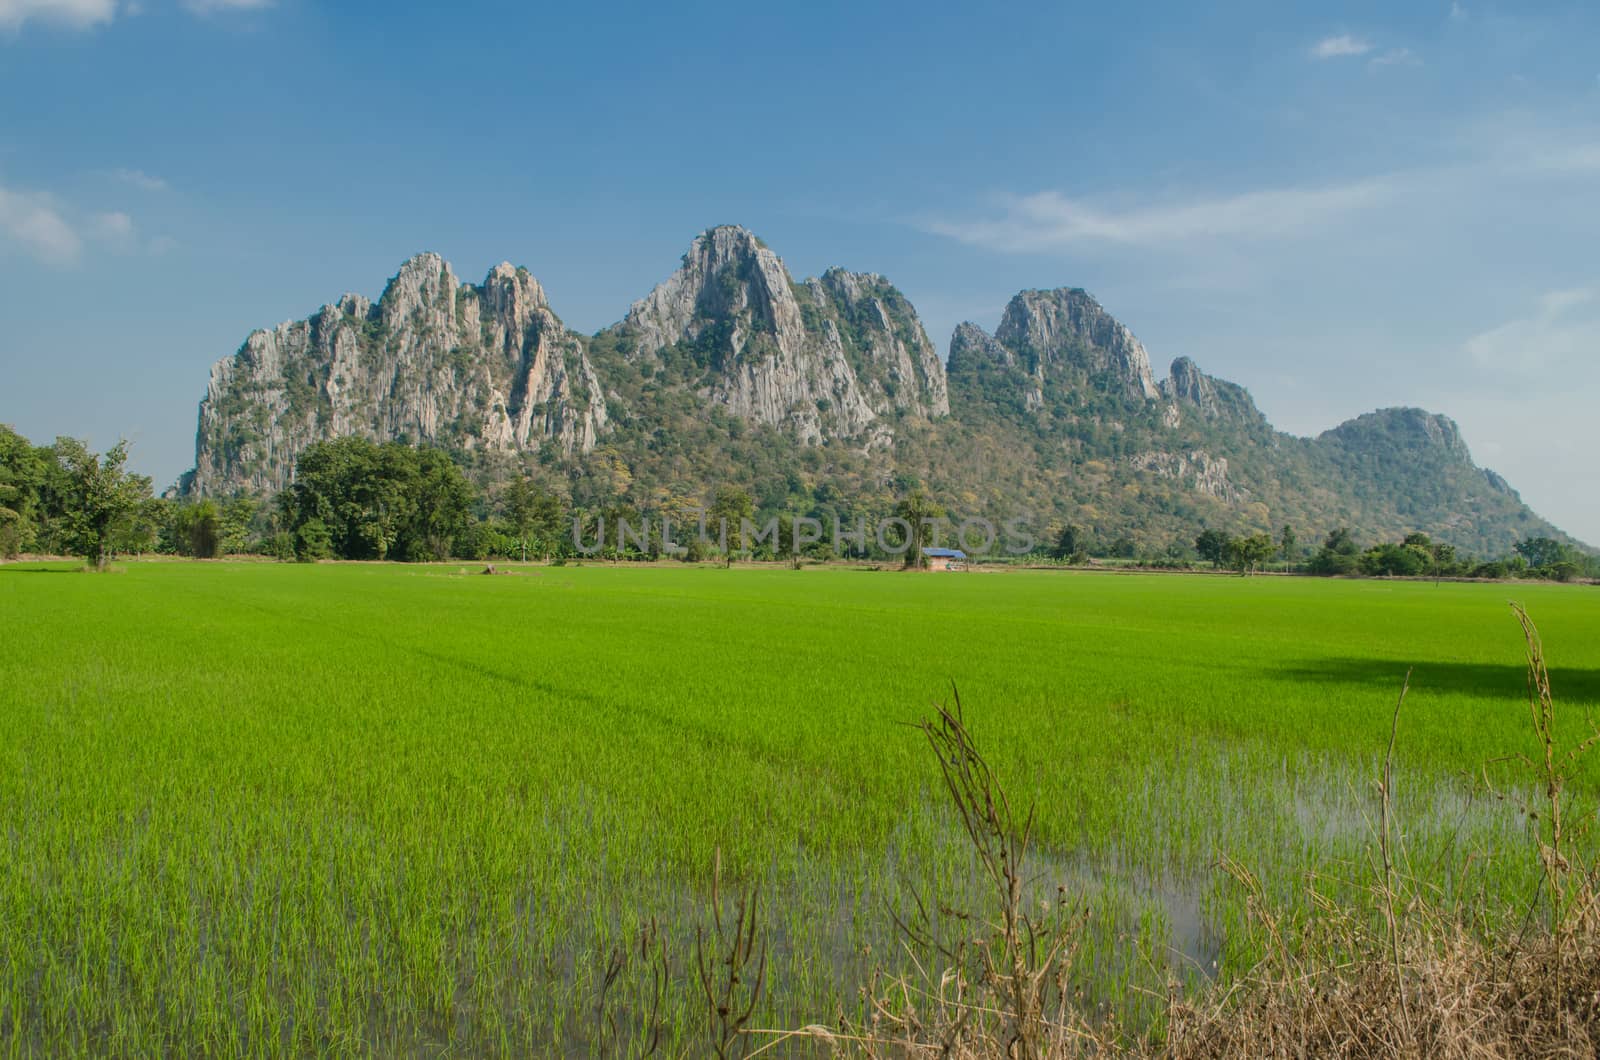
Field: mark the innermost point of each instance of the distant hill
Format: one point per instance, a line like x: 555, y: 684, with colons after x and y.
x: 826, y: 397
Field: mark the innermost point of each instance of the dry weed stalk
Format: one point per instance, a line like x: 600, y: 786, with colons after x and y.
x: 1427, y: 982
x: 1431, y: 985
x: 726, y: 980
x: 651, y: 952
x: 1002, y: 989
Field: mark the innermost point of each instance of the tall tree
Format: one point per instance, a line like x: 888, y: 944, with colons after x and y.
x: 920, y: 511
x: 1213, y: 546
x: 1071, y: 544
x: 102, y: 499
x: 21, y: 472
x: 536, y: 517
x: 729, y: 510
x: 1247, y: 554
x: 1544, y: 552
x: 356, y: 499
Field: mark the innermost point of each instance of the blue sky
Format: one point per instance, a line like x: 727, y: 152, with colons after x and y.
x: 1342, y: 206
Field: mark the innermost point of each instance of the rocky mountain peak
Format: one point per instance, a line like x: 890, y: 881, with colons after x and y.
x: 971, y: 346
x: 1400, y: 430
x: 1059, y: 405
x: 1188, y: 382
x: 476, y: 368
x: 838, y: 356
x: 425, y: 282
x: 1187, y: 387
x: 726, y: 272
x: 1067, y: 327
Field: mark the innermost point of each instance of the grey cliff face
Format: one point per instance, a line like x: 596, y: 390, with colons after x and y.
x: 1068, y: 327
x: 837, y: 357
x: 976, y: 358
x: 1188, y: 388
x: 973, y: 347
x: 1196, y: 469
x: 840, y: 359
x: 491, y: 367
x: 885, y: 341
x: 434, y: 360
x: 1401, y: 430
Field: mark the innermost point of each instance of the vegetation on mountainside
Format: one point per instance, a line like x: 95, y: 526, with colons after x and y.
x: 356, y: 499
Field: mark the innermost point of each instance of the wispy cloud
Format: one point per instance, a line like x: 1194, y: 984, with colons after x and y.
x: 207, y: 7
x: 1339, y: 47
x: 113, y: 226
x: 1499, y: 162
x: 1561, y: 335
x: 40, y: 226
x: 1049, y: 220
x: 31, y: 221
x: 87, y: 14
x: 71, y: 14
x: 139, y: 179
x: 1396, y: 57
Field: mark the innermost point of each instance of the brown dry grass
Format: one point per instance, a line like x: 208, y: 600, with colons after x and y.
x: 1417, y: 981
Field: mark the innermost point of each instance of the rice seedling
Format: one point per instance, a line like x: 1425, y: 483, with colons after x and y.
x: 369, y: 810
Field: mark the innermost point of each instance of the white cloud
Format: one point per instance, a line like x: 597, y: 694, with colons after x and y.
x: 86, y: 14
x: 207, y: 7
x: 1340, y: 47
x: 1456, y: 10
x: 140, y: 179
x: 1049, y: 220
x: 31, y: 221
x: 1560, y: 337
x: 73, y: 14
x: 114, y: 227
x: 41, y: 227
x: 1395, y: 57
x: 1510, y: 161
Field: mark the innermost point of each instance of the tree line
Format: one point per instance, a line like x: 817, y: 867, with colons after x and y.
x: 1340, y: 554
x: 356, y: 499
x: 353, y: 498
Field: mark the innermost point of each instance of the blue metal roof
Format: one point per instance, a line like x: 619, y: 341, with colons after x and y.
x: 944, y: 553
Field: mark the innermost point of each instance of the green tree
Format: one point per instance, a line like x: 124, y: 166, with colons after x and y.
x: 373, y: 501
x: 1072, y: 544
x: 312, y: 541
x: 1392, y: 560
x: 102, y: 500
x: 440, y: 502
x: 536, y: 517
x: 1212, y: 545
x: 729, y: 510
x: 1339, y: 554
x: 1288, y: 544
x: 1544, y: 552
x: 1247, y: 554
x: 920, y: 511
x: 21, y: 473
x: 194, y: 529
x: 235, y: 526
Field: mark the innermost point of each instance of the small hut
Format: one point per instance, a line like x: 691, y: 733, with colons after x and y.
x: 944, y: 559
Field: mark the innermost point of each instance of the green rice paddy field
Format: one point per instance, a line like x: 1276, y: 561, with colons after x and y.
x: 363, y: 809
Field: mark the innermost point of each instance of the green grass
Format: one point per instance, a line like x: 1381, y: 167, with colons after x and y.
x: 260, y: 809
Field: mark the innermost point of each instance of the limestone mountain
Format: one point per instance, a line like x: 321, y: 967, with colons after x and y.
x: 433, y: 360
x: 1146, y: 460
x: 826, y: 397
x: 842, y: 356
